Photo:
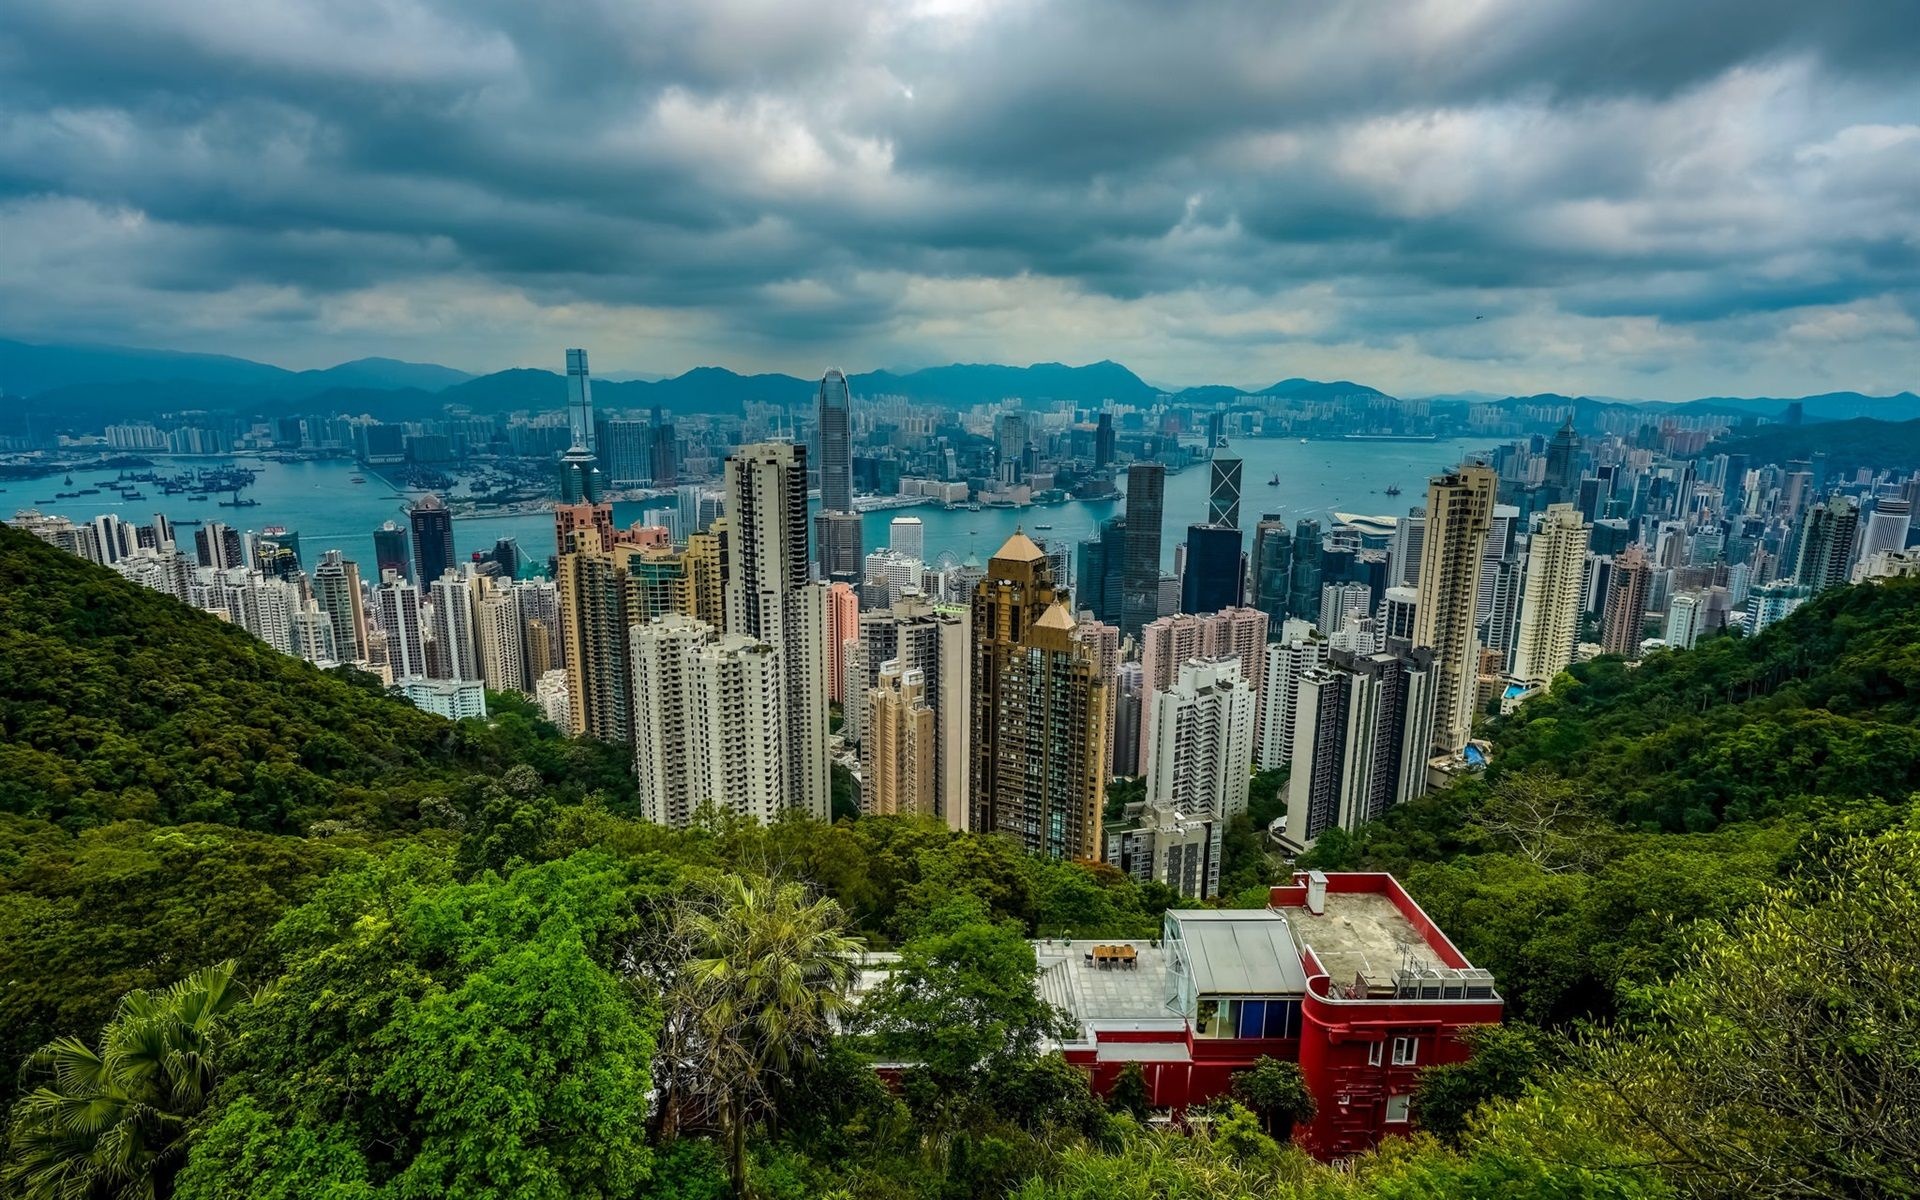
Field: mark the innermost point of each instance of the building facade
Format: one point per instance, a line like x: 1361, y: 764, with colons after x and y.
x: 1038, y: 748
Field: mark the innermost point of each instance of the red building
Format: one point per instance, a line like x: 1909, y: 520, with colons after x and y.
x: 1342, y: 973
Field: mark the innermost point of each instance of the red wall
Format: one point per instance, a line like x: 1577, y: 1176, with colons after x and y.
x: 1349, y: 1091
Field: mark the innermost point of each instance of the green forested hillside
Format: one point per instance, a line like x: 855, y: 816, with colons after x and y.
x: 118, y: 703
x: 1634, y: 801
x: 463, y: 969
x: 1821, y: 708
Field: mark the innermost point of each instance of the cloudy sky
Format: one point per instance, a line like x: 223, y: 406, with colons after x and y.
x: 1659, y: 198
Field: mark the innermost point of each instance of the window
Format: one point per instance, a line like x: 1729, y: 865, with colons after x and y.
x: 1373, y: 1054
x: 1404, y: 1049
x: 1397, y: 1108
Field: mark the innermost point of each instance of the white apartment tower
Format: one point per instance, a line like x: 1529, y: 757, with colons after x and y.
x: 1551, y: 602
x: 1200, y: 747
x: 1459, y: 514
x: 498, y: 633
x: 453, y: 627
x: 771, y: 601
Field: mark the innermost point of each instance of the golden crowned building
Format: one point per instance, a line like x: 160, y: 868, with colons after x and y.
x: 1038, y: 742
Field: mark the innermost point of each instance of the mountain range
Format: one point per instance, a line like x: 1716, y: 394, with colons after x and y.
x: 83, y: 386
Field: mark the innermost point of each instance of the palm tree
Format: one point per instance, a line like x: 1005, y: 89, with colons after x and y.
x: 770, y: 969
x: 113, y: 1122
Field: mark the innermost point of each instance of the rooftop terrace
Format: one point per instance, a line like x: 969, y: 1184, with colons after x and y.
x: 1112, y: 996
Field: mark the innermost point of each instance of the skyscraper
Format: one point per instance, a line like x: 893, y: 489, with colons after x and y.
x: 1361, y: 737
x: 664, y: 453
x: 770, y: 600
x: 838, y: 536
x: 931, y: 641
x: 1626, y: 613
x: 1272, y: 568
x: 1826, y: 543
x: 843, y: 626
x: 432, y: 540
x: 1223, y: 490
x: 1168, y: 642
x: 1103, y: 441
x: 713, y: 707
x: 453, y: 627
x: 1550, y: 603
x: 1101, y: 576
x: 908, y: 536
x: 336, y: 590
x: 1140, y: 572
x: 1038, y: 745
x: 499, y: 635
x: 398, y: 603
x: 897, y: 745
x: 595, y: 611
x: 1215, y: 571
x: 1200, y: 746
x: 1459, y: 512
x: 1298, y: 649
x: 390, y: 550
x: 1563, y: 460
x: 218, y: 546
x: 1303, y: 584
x: 1886, y: 528
x: 581, y: 479
x: 836, y: 444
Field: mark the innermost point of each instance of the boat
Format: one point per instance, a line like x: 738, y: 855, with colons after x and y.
x: 68, y: 479
x: 133, y: 495
x: 197, y: 500
x: 1274, y: 482
x: 358, y: 479
x: 239, y: 504
x: 1303, y: 441
x: 1043, y: 527
x: 1393, y: 490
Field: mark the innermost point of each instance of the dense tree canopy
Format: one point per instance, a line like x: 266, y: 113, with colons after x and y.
x: 479, y: 976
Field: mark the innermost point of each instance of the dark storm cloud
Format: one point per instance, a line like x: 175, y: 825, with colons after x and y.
x: 808, y: 174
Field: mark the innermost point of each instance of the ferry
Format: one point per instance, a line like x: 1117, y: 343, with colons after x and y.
x: 1043, y: 527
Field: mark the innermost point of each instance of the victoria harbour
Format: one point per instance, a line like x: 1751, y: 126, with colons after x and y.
x: 318, y: 500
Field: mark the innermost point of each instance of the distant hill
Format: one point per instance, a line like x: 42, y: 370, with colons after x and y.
x: 26, y: 369
x: 1828, y: 406
x: 970, y: 383
x: 1848, y: 445
x: 387, y: 373
x: 72, y: 387
x: 1313, y: 389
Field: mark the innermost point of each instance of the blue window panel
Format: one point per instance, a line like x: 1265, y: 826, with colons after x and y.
x: 1253, y: 1018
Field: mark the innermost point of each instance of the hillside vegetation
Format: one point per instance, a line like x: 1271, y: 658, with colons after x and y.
x: 119, y: 703
x: 369, y: 954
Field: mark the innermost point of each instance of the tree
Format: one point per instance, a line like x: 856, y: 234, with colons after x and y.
x: 439, y: 1038
x: 961, y: 1000
x: 1129, y: 1093
x: 1505, y: 1059
x: 1780, y: 1064
x: 770, y: 971
x: 114, y: 1122
x: 1277, y: 1091
x: 1538, y: 817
